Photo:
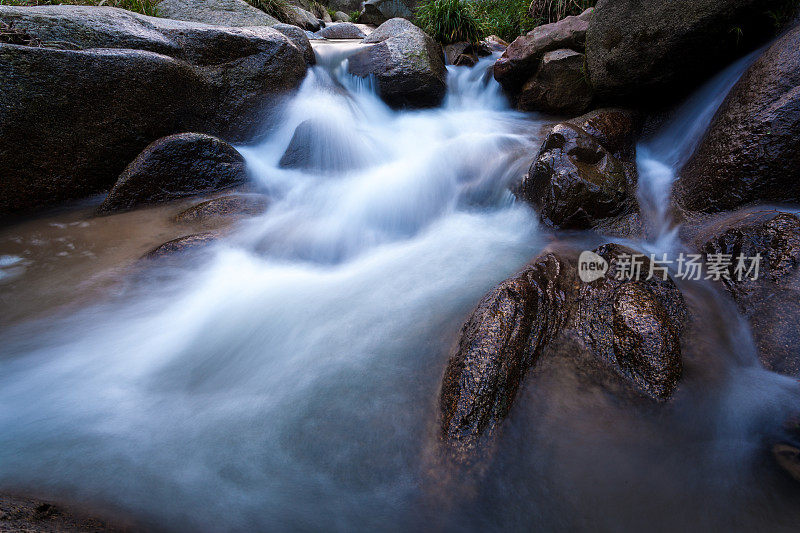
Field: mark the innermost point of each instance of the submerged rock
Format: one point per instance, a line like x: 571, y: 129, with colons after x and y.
x: 342, y: 30
x: 73, y: 115
x: 621, y: 332
x: 751, y: 152
x: 771, y: 303
x: 319, y: 146
x: 656, y: 51
x: 224, y: 208
x: 407, y: 65
x: 578, y: 179
x: 217, y: 12
x: 174, y: 167
x: 182, y: 245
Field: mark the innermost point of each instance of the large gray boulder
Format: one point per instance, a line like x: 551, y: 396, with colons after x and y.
x: 299, y: 37
x: 217, y: 12
x: 406, y: 63
x: 656, y: 50
x: 110, y: 82
x: 751, y: 152
x: 174, y: 167
x: 302, y: 18
x: 379, y: 11
x: 341, y: 30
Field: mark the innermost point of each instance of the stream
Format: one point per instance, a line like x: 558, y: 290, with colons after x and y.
x: 288, y: 379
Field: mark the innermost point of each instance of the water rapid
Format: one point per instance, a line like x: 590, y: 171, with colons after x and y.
x: 288, y: 381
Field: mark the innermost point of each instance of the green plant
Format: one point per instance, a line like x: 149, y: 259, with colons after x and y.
x: 450, y: 21
x: 546, y: 11
x: 354, y: 16
x: 332, y: 13
x: 784, y: 13
x: 507, y: 19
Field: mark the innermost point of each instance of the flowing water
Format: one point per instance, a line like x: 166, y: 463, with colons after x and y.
x: 288, y: 380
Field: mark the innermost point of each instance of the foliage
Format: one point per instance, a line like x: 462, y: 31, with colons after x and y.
x: 354, y: 16
x: 508, y: 19
x: 546, y: 11
x: 450, y: 21
x: 784, y: 13
x: 332, y: 13
x: 145, y: 7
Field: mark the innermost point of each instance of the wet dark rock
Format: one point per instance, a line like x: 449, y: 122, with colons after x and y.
x: 575, y: 182
x: 461, y: 54
x: 751, y: 152
x: 23, y: 514
x: 182, y: 245
x: 217, y: 12
x: 224, y: 208
x: 318, y: 146
x: 175, y: 167
x: 770, y: 303
x: 523, y: 57
x: 656, y: 51
x: 788, y: 458
x: 299, y: 39
x: 627, y: 331
x: 559, y: 85
x: 109, y: 82
x: 492, y: 44
x: 407, y: 65
x: 342, y: 30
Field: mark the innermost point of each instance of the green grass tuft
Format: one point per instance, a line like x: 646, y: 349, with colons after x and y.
x: 354, y: 16
x: 450, y: 21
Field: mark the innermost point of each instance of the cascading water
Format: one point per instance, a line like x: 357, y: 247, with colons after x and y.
x: 289, y: 381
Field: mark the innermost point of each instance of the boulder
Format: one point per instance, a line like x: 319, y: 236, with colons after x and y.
x: 379, y: 11
x: 654, y: 51
x: 341, y: 30
x: 175, y: 167
x: 346, y: 7
x: 624, y: 334
x: 751, y: 152
x: 299, y: 39
x: 559, y: 85
x: 581, y: 179
x: 110, y: 82
x: 522, y: 58
x: 341, y: 16
x: 461, y: 54
x: 407, y: 65
x: 770, y: 303
x: 217, y: 12
x: 298, y: 16
x: 224, y: 208
x: 318, y: 146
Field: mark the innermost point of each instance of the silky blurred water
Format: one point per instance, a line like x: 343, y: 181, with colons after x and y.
x: 288, y: 380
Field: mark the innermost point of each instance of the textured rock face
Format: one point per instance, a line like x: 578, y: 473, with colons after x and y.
x: 299, y: 39
x: 343, y: 30
x: 407, y: 64
x: 751, y: 152
x: 174, y: 167
x: 303, y: 18
x: 65, y: 138
x: 379, y: 11
x: 655, y: 50
x: 579, y: 179
x: 626, y: 332
x: 341, y: 16
x: 544, y: 70
x: 182, y: 245
x: 521, y: 59
x: 217, y: 12
x: 559, y: 85
x: 770, y: 303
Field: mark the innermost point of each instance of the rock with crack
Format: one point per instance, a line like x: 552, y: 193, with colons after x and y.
x: 769, y: 297
x: 623, y: 332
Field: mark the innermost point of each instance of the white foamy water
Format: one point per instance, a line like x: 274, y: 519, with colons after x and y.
x: 289, y: 381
